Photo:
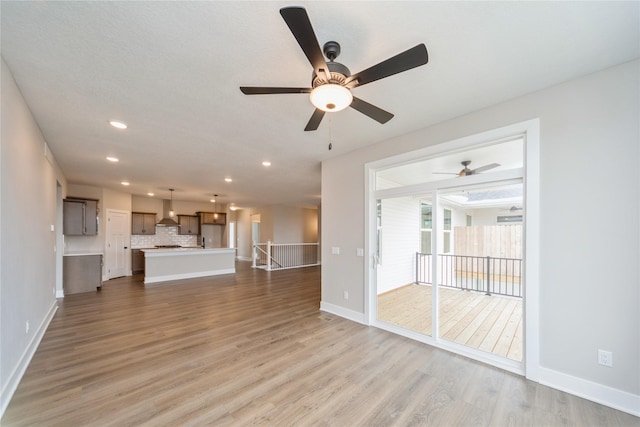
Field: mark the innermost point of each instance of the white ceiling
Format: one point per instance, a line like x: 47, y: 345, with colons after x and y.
x: 171, y: 71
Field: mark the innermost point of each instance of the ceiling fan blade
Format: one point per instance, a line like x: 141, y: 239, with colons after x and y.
x: 315, y: 120
x: 445, y: 173
x: 249, y: 90
x: 486, y: 167
x: 404, y: 61
x: 377, y: 114
x: 300, y: 26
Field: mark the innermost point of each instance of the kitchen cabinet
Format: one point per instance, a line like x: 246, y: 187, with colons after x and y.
x: 80, y: 217
x: 215, y: 218
x: 81, y: 273
x: 189, y: 225
x: 143, y: 223
x: 137, y: 261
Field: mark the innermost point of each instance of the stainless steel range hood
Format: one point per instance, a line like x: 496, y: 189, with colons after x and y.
x: 166, y: 220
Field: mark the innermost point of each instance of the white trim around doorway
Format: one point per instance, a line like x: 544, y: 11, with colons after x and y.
x: 530, y: 130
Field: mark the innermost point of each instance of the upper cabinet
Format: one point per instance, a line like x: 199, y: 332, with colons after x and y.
x: 80, y: 217
x: 189, y: 224
x: 143, y: 223
x: 215, y: 218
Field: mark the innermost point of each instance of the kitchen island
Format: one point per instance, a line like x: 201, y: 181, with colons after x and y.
x: 162, y: 265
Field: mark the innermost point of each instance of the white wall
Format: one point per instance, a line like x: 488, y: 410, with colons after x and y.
x: 295, y: 225
x: 243, y: 234
x: 28, y: 260
x: 400, y: 242
x: 589, y: 292
x: 278, y: 224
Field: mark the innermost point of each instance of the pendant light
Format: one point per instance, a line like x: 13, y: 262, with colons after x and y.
x: 215, y: 210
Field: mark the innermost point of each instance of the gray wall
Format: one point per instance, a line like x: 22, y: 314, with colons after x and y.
x: 28, y: 257
x: 590, y: 226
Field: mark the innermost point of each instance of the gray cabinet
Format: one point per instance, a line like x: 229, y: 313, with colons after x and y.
x: 212, y: 218
x: 143, y: 223
x: 81, y: 273
x: 189, y: 225
x: 80, y: 217
x: 137, y: 261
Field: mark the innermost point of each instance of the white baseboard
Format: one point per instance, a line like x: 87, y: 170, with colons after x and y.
x: 59, y: 293
x: 243, y: 258
x: 599, y: 393
x: 343, y: 312
x: 14, y: 379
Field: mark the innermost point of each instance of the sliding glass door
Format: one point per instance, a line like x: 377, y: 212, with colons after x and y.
x: 448, y: 259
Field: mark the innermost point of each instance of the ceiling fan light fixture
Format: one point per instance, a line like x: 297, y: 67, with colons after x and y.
x: 331, y: 97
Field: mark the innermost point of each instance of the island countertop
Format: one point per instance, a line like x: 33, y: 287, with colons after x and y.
x: 83, y: 253
x: 153, y: 252
x: 164, y: 264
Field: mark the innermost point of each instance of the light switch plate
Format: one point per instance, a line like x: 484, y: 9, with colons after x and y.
x: 335, y: 250
x: 360, y: 252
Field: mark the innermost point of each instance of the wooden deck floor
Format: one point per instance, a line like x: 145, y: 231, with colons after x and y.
x: 489, y: 323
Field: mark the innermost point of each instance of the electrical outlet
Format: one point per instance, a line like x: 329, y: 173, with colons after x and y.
x: 345, y: 294
x: 605, y: 358
x: 26, y: 327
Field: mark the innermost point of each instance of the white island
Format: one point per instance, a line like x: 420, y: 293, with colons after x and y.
x: 162, y: 265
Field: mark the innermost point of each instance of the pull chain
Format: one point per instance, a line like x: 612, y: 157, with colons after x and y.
x: 330, y: 131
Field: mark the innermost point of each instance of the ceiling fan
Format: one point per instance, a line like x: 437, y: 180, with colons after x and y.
x: 466, y: 171
x: 331, y: 82
x: 513, y: 208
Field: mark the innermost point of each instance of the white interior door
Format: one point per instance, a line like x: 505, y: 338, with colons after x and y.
x: 118, y: 236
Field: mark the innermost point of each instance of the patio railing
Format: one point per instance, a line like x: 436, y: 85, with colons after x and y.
x: 500, y: 276
x: 280, y: 256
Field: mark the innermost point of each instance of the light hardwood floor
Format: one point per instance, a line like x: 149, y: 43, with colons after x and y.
x: 253, y: 348
x: 489, y: 323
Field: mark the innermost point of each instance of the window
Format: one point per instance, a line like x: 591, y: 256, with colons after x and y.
x: 468, y: 220
x: 447, y: 231
x: 425, y: 228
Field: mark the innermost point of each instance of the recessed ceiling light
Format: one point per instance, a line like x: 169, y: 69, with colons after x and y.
x: 266, y: 163
x: 150, y: 194
x: 113, y: 159
x: 117, y: 124
x: 233, y: 208
x: 125, y: 183
x: 228, y: 179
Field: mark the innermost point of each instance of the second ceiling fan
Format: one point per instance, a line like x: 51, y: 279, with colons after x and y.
x: 332, y: 82
x: 467, y: 172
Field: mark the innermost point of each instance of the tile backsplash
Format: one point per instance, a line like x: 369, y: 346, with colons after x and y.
x: 163, y: 236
